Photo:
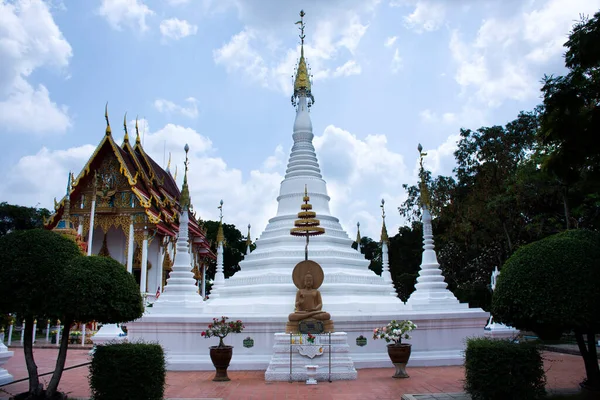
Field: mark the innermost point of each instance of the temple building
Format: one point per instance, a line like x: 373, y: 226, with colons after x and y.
x: 125, y: 206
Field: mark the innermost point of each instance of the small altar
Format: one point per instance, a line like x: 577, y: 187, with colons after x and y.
x: 292, y: 353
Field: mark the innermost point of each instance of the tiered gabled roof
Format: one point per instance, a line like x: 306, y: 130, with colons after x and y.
x: 155, y: 189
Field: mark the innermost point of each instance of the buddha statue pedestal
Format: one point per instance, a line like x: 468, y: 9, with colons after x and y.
x: 327, y: 352
x: 310, y: 325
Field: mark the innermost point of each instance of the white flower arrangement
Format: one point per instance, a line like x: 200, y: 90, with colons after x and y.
x: 395, y: 331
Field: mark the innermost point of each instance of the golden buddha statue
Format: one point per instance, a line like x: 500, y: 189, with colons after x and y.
x: 308, y: 277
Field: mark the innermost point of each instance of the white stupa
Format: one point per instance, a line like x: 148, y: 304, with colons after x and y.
x: 262, y: 293
x: 263, y: 285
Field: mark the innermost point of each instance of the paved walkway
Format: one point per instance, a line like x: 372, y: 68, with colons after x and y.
x: 564, y: 371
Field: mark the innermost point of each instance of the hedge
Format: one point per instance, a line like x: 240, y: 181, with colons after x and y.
x: 551, y: 286
x: 503, y: 370
x: 133, y: 371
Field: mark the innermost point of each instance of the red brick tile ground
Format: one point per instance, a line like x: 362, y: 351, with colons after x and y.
x: 563, y: 372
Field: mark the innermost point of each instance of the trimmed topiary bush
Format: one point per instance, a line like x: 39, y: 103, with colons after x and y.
x: 133, y: 371
x: 551, y: 287
x: 503, y: 370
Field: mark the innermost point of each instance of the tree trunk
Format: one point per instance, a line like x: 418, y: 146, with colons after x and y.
x: 565, y: 193
x: 590, y: 359
x: 34, y: 381
x: 60, y: 360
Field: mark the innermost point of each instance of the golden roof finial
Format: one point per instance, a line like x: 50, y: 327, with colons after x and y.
x: 175, y: 176
x: 108, y: 131
x: 302, y: 79
x: 169, y: 163
x: 220, y: 235
x: 384, y: 234
x: 248, y: 238
x: 126, y: 138
x: 425, y: 198
x: 137, y: 131
x: 185, y: 200
x: 358, y: 237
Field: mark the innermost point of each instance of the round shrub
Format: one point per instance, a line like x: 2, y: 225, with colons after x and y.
x: 100, y: 289
x: 551, y: 286
x: 31, y: 267
x: 133, y: 371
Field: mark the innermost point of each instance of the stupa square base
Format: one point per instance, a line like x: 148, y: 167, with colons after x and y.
x: 439, y: 339
x: 291, y: 356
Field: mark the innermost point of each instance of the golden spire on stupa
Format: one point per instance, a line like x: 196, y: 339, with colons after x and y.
x: 302, y: 79
x: 358, y: 238
x: 184, y: 200
x: 425, y: 199
x: 220, y: 234
x: 307, y: 224
x: 384, y: 234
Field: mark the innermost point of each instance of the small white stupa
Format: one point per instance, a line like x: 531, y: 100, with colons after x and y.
x: 180, y: 293
x: 431, y: 291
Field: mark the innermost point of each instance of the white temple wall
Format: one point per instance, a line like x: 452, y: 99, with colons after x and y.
x: 115, y: 240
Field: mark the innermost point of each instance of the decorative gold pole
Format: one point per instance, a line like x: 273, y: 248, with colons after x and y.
x: 307, y: 224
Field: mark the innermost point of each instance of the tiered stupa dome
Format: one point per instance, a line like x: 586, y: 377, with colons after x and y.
x: 264, y: 283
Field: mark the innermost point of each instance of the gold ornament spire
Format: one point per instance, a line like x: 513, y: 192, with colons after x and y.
x: 169, y: 163
x: 175, y: 176
x: 384, y: 234
x: 425, y: 198
x: 220, y: 235
x: 126, y: 138
x: 137, y: 131
x: 108, y: 131
x: 185, y: 191
x: 302, y: 78
x: 358, y: 238
x: 248, y: 238
x: 307, y: 224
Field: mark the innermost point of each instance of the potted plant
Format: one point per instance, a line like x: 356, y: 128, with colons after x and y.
x: 221, y: 354
x: 398, y: 352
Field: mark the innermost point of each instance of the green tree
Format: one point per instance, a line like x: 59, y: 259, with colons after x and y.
x: 31, y: 266
x: 571, y: 119
x: 94, y: 288
x: 550, y: 287
x: 14, y: 217
x: 233, y: 251
x: 372, y: 251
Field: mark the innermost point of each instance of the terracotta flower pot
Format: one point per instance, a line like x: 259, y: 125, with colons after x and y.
x: 399, y: 354
x: 221, y: 356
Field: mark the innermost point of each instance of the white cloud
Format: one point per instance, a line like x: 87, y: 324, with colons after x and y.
x: 176, y: 29
x: 396, y: 62
x: 426, y: 115
x: 546, y: 28
x: 29, y: 40
x: 238, y: 54
x: 389, y: 42
x: 126, y: 12
x: 506, y: 58
x: 177, y: 2
x: 257, y: 51
x: 428, y: 15
x: 359, y: 172
x: 349, y: 68
x: 168, y: 107
x: 276, y: 160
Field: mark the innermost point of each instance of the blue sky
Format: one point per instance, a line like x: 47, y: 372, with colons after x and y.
x: 216, y: 74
